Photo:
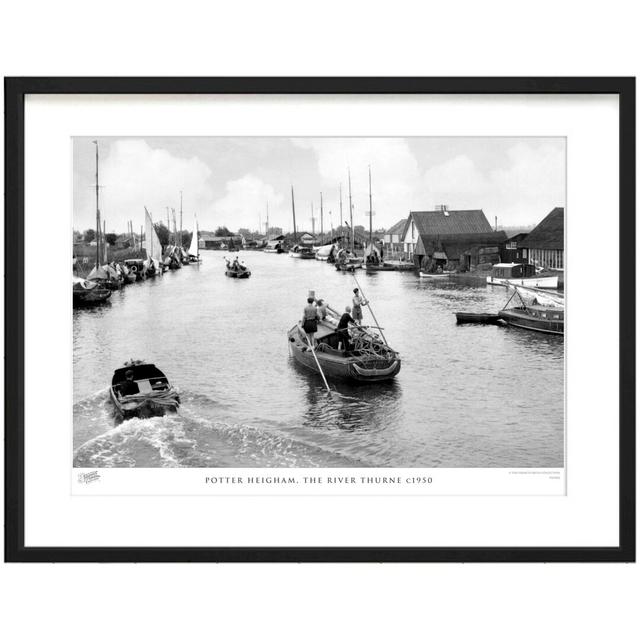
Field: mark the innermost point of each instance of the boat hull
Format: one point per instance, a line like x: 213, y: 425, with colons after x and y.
x: 236, y: 274
x: 90, y: 297
x: 523, y: 320
x: 144, y: 406
x: 477, y: 318
x: 546, y: 282
x: 341, y: 367
x: 438, y: 276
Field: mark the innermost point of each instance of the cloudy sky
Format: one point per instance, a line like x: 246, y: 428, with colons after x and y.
x: 229, y: 181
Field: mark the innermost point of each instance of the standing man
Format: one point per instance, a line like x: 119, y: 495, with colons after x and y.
x: 358, y: 302
x: 310, y: 321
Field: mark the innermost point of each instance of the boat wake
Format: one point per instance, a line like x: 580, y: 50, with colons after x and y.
x: 193, y: 438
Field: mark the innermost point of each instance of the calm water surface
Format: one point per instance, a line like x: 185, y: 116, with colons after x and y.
x: 467, y: 396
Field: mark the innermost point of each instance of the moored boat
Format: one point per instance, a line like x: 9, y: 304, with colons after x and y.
x: 304, y: 252
x: 513, y: 273
x: 391, y: 265
x: 140, y: 390
x: 86, y: 293
x: 477, y: 318
x: 368, y: 360
x: 534, y: 311
x: 422, y: 274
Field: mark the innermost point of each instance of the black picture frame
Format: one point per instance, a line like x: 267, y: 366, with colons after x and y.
x: 15, y: 91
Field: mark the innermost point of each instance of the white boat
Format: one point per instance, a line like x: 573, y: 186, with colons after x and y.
x: 433, y: 275
x: 513, y: 273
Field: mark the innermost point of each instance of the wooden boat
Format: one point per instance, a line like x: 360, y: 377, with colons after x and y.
x: 477, y: 318
x: 236, y: 270
x: 439, y: 276
x: 371, y: 360
x: 233, y: 273
x: 155, y: 395
x: 536, y: 312
x: 87, y: 293
x: 137, y: 269
x: 390, y: 266
x: 303, y: 252
x: 535, y: 318
x: 514, y: 273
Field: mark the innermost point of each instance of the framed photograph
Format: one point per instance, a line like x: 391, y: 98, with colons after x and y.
x: 320, y: 319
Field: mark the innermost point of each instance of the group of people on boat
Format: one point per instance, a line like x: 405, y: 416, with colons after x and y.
x: 317, y: 310
x: 235, y: 265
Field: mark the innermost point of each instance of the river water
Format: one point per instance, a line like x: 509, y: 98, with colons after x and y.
x: 467, y: 396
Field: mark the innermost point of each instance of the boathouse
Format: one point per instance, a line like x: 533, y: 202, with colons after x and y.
x: 544, y: 246
x: 451, y: 239
x: 392, y: 238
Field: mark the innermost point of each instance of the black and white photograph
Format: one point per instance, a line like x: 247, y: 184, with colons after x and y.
x: 325, y: 302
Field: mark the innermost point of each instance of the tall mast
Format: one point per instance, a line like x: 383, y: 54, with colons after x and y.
x: 350, y: 211
x: 313, y: 221
x: 168, y: 225
x: 293, y: 209
x: 341, y: 204
x: 181, y: 219
x: 321, y: 220
x: 104, y: 240
x: 97, y: 210
x: 267, y: 233
x: 370, y: 215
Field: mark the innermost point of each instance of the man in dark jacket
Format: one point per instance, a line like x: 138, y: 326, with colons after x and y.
x: 343, y: 328
x: 129, y: 387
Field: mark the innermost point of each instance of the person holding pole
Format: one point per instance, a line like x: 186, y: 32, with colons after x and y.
x: 358, y: 303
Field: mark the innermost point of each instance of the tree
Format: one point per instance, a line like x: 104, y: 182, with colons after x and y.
x: 89, y: 235
x: 222, y: 231
x: 163, y: 234
x: 111, y: 238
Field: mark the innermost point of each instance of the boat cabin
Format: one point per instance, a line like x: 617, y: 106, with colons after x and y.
x: 513, y: 270
x: 546, y: 313
x: 147, y: 376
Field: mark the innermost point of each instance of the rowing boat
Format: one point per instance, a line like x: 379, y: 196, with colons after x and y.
x: 370, y: 359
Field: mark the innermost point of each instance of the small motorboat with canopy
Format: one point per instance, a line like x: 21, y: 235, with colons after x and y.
x: 141, y: 390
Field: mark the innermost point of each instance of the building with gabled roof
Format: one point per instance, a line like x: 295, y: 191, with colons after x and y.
x: 455, y: 239
x: 544, y: 245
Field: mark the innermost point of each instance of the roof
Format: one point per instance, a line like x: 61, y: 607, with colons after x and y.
x: 549, y: 234
x: 438, y: 223
x: 397, y: 228
x: 453, y: 243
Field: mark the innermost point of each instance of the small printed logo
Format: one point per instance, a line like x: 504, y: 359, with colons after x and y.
x: 88, y: 477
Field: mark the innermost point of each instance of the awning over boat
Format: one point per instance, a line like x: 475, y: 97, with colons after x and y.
x: 439, y: 255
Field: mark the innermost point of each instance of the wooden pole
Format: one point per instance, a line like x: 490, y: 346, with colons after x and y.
x: 373, y: 315
x: 315, y: 357
x: 181, y: 219
x: 370, y: 217
x: 321, y: 220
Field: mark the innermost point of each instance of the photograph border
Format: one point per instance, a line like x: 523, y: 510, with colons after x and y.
x: 15, y: 91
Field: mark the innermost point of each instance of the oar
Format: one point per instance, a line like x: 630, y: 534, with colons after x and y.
x: 373, y: 315
x: 315, y: 357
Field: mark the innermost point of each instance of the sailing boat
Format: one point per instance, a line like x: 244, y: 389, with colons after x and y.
x: 152, y: 246
x: 194, y: 247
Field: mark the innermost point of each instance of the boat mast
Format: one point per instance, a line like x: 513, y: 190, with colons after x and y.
x: 97, y: 210
x: 313, y: 221
x: 351, y: 212
x: 293, y: 208
x: 321, y: 221
x: 341, y: 207
x: 267, y: 231
x: 370, y: 217
x: 181, y: 219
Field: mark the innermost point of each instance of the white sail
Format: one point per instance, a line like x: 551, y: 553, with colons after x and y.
x: 194, y: 249
x: 151, y: 240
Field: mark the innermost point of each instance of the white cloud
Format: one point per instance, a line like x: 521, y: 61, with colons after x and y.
x: 135, y: 175
x: 244, y: 204
x: 394, y: 171
x: 523, y: 192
